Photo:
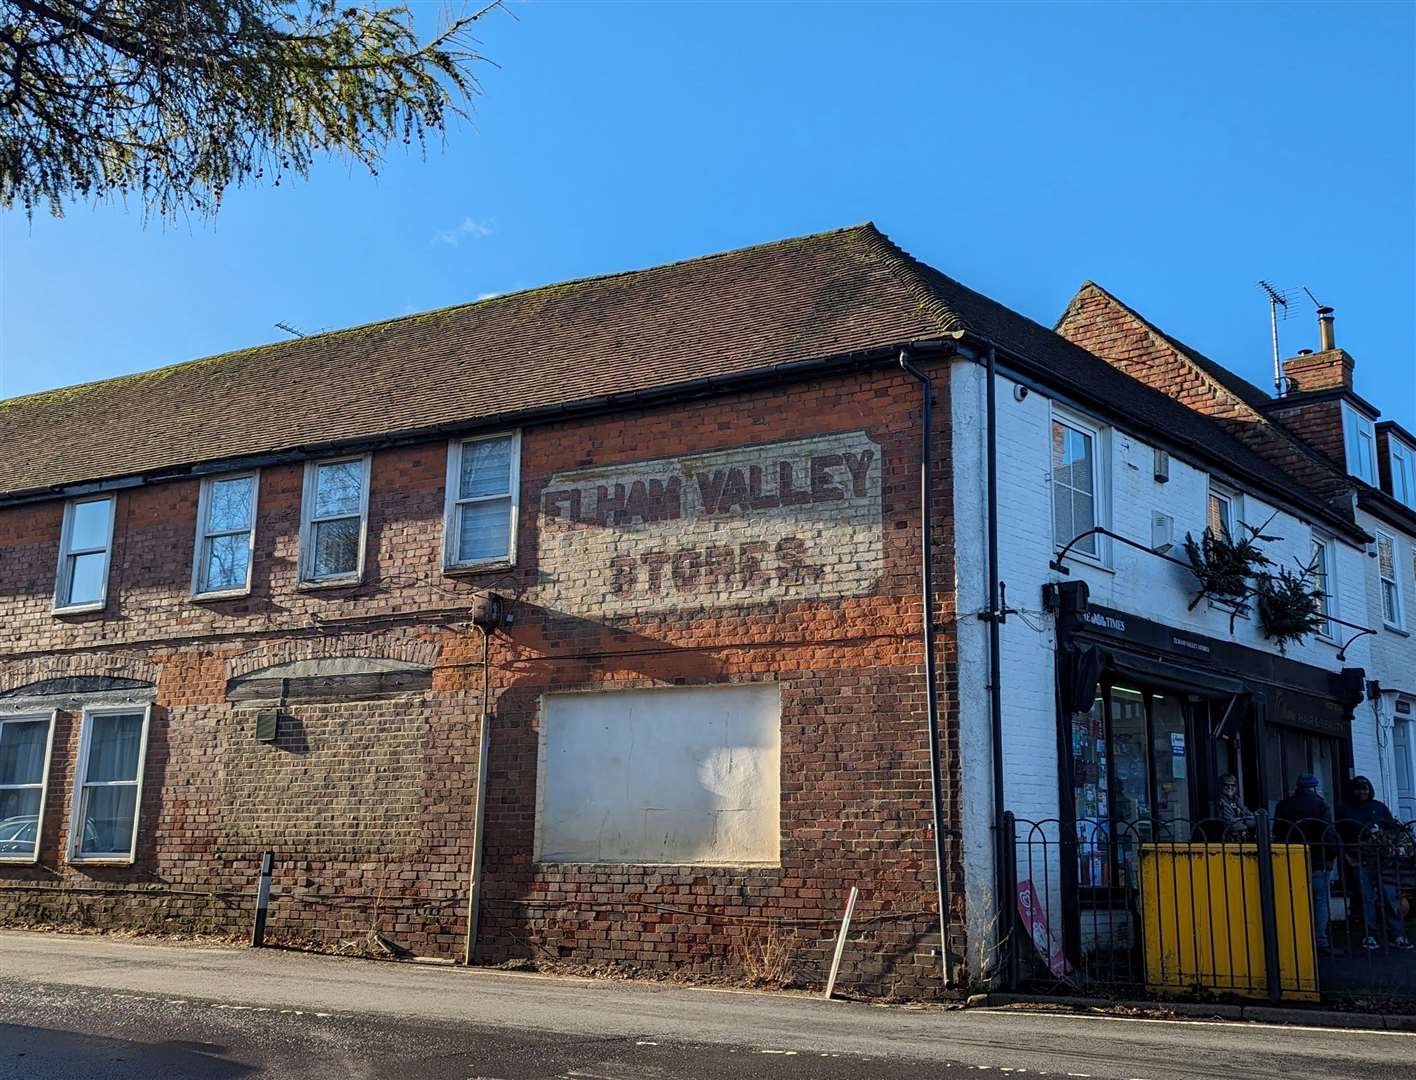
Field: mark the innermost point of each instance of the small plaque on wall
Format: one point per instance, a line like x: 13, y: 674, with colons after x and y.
x: 267, y: 722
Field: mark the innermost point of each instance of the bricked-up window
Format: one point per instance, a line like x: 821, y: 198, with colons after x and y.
x: 1391, y: 583
x: 25, y: 745
x: 1076, y: 487
x: 1361, y: 442
x: 482, y: 484
x: 84, y: 548
x: 333, y: 521
x: 1323, y: 579
x: 664, y: 776
x: 104, y: 823
x: 226, y: 535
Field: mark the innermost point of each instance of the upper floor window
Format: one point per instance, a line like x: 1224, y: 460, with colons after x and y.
x: 25, y: 743
x: 108, y: 793
x: 1360, y: 438
x: 86, y: 541
x: 333, y: 520
x: 1403, y: 472
x: 1076, y: 485
x: 1222, y: 515
x: 482, y: 495
x: 226, y: 535
x: 1390, y: 582
x: 1323, y: 578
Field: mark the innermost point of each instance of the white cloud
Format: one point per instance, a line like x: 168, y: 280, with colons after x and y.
x: 488, y: 295
x: 468, y: 230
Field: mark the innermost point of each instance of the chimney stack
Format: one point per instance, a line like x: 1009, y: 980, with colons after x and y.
x: 1326, y: 340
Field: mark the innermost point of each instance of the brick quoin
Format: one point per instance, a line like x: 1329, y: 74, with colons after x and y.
x: 368, y: 804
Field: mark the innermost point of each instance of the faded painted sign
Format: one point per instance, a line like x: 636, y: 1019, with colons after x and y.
x: 768, y: 522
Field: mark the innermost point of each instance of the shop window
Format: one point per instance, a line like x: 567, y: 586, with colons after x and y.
x: 25, y: 744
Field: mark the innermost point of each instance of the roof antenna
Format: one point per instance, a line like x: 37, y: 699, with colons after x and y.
x: 289, y: 329
x: 1276, y: 300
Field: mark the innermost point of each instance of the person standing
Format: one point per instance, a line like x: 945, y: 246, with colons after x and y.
x: 1304, y: 817
x: 1364, y: 819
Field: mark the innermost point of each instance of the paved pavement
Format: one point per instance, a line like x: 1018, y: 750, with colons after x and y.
x: 83, y: 1008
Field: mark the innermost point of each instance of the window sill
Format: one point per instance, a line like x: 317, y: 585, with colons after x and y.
x: 333, y: 583
x: 1081, y: 558
x: 20, y: 860
x: 472, y: 569
x: 213, y: 597
x: 102, y: 860
x: 1389, y: 628
x: 78, y: 609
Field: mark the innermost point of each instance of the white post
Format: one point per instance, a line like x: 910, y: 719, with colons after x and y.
x: 841, y: 941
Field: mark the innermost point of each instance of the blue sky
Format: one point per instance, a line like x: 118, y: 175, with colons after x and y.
x: 1173, y: 153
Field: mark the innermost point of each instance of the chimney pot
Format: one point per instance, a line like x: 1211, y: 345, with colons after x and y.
x: 1326, y: 339
x: 1305, y: 352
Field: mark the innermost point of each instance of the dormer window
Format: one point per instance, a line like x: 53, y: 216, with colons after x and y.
x: 1360, y: 438
x: 1403, y: 472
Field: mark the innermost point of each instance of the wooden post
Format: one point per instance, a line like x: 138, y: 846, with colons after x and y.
x: 841, y: 941
x: 262, y: 900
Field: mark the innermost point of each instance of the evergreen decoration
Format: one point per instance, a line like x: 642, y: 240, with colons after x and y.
x: 1224, y: 567
x: 1290, y: 606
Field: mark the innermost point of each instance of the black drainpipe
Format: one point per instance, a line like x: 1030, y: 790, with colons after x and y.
x: 931, y: 689
x: 994, y: 617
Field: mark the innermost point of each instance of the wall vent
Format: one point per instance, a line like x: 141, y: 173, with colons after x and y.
x: 1162, y: 532
x: 1162, y: 466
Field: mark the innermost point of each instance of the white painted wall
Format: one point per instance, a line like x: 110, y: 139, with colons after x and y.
x: 1133, y: 581
x: 678, y: 775
x: 1391, y: 653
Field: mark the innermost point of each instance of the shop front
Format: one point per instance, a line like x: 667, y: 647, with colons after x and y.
x: 1151, y: 718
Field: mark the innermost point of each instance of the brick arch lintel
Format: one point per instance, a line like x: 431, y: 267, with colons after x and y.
x: 392, y: 645
x: 42, y: 668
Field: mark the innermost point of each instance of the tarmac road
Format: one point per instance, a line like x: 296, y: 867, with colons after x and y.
x: 84, y: 1008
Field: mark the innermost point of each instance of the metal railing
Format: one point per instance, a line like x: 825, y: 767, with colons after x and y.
x: 1256, y: 908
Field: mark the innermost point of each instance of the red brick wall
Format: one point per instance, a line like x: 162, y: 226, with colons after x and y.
x: 368, y: 805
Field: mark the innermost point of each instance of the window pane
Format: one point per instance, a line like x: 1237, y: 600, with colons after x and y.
x: 1219, y: 522
x: 226, y: 561
x: 86, y: 578
x: 486, y: 468
x: 113, y: 748
x: 107, y: 819
x: 485, y: 531
x: 229, y: 504
x: 336, y: 547
x: 1079, y: 452
x: 1062, y: 531
x: 90, y: 525
x: 339, y: 488
x: 1386, y: 556
x: 19, y: 821
x: 1389, y: 612
x: 22, y: 752
x: 1084, y: 518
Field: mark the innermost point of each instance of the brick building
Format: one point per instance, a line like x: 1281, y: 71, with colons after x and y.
x: 583, y: 623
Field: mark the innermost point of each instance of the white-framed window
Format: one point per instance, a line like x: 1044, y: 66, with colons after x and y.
x: 26, y: 743
x: 334, y: 517
x: 226, y: 535
x: 1222, y: 513
x: 108, y: 787
x: 483, y: 482
x: 1324, y: 578
x: 1390, y: 579
x: 1403, y: 471
x: 1078, y: 485
x: 1360, y: 439
x: 85, y: 544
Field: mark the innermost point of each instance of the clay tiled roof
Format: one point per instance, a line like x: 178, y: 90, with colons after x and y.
x: 795, y: 300
x: 818, y: 296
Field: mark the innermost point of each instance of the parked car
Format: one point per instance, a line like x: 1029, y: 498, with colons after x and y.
x: 17, y: 835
